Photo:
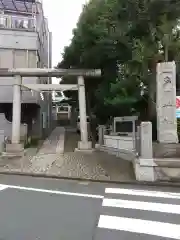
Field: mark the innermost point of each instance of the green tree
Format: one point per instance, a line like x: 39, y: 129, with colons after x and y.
x: 126, y: 39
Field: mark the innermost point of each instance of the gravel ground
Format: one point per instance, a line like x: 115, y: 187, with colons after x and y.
x: 96, y: 165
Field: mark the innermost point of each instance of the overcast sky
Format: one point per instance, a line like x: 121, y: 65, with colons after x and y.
x: 62, y: 17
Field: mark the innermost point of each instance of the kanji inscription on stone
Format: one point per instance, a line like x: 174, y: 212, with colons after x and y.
x: 167, y: 83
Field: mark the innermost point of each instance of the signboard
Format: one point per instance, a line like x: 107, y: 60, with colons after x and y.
x: 177, y: 106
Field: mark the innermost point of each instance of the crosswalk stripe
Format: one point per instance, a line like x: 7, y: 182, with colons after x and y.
x: 161, y: 229
x: 145, y: 193
x: 154, y: 213
x: 140, y: 205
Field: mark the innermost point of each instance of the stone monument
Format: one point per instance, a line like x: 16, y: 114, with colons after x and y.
x: 160, y: 161
x: 166, y: 103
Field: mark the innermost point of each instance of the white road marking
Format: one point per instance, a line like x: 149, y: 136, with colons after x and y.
x: 147, y: 206
x: 161, y: 229
x: 2, y: 187
x: 54, y: 191
x: 145, y: 193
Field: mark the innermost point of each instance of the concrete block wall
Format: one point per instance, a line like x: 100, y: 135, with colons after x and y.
x: 6, y: 127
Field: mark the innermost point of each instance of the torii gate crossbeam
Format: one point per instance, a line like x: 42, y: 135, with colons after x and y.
x: 84, y: 144
x: 46, y: 72
x: 50, y: 87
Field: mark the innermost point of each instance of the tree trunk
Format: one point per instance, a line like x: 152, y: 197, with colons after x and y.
x: 166, y: 53
x: 152, y: 96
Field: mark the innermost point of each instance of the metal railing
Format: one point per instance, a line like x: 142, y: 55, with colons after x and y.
x: 17, y: 22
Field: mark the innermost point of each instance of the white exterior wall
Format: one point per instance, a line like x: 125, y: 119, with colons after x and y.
x: 18, y: 39
x: 28, y: 48
x: 17, y: 58
x: 21, y: 49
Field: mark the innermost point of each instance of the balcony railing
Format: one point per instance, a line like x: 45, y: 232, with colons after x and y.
x: 17, y: 22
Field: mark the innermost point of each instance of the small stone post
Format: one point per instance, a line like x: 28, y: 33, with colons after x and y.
x: 146, y: 141
x: 144, y: 166
x: 101, y: 132
x: 138, y: 144
x: 2, y: 141
x: 134, y: 133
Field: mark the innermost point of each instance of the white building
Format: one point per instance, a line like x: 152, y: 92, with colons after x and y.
x: 25, y: 41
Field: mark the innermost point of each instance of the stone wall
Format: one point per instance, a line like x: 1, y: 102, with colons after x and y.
x: 160, y: 161
x: 119, y: 142
x: 166, y: 150
x: 120, y: 146
x: 167, y: 169
x: 163, y: 165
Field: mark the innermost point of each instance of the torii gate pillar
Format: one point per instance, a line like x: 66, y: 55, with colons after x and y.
x: 84, y: 144
x: 16, y: 115
x: 16, y: 146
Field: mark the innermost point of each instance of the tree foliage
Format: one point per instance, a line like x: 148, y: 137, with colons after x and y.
x: 126, y: 39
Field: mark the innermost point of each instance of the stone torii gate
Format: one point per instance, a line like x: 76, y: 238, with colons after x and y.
x: 84, y: 144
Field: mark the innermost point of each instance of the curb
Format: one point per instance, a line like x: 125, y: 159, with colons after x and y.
x: 133, y: 182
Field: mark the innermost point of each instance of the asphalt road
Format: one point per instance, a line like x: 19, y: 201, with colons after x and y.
x: 47, y: 209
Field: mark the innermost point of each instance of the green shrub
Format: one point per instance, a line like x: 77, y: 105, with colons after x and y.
x: 32, y: 142
x: 178, y: 128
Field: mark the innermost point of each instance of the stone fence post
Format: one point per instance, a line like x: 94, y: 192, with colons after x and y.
x: 101, y: 132
x: 138, y: 141
x: 144, y: 165
x: 146, y: 151
x: 2, y: 141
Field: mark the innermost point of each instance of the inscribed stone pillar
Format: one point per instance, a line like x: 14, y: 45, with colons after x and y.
x: 146, y: 140
x: 166, y: 103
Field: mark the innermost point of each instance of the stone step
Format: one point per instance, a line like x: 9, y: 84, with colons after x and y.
x: 14, y: 148
x: 167, y: 162
x: 9, y: 155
